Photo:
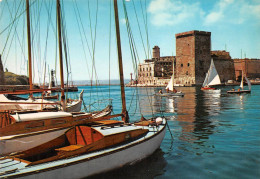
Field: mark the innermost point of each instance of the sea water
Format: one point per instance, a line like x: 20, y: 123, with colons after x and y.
x: 212, y: 134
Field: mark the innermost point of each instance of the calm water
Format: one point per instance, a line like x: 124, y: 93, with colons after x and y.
x: 215, y: 135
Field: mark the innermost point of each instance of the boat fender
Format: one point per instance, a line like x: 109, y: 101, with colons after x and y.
x: 159, y: 120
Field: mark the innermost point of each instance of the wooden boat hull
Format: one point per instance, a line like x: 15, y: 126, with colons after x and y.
x: 96, y: 162
x: 76, y: 107
x: 14, y: 143
x: 29, y: 140
x: 239, y: 92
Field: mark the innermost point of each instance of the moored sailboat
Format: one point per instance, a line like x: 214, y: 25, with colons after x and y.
x: 86, y: 150
x: 24, y: 122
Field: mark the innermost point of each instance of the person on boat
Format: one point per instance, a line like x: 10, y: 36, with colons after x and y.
x: 174, y: 90
x: 233, y: 89
x: 238, y: 89
x: 167, y: 90
x: 160, y: 91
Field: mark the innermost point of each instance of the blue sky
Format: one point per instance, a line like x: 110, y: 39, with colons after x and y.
x: 234, y: 26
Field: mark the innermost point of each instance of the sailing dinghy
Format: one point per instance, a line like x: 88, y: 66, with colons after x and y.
x: 241, y: 89
x: 170, y: 90
x: 212, y: 78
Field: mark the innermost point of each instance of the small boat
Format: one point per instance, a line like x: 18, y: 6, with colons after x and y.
x: 212, y: 78
x: 11, y: 102
x: 25, y: 130
x: 170, y: 90
x: 241, y: 89
x: 84, y: 151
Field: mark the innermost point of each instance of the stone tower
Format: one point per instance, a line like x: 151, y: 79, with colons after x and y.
x: 156, y: 52
x: 192, y: 57
x: 2, y: 75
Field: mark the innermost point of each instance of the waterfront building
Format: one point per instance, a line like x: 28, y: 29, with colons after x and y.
x: 155, y: 71
x: 250, y: 68
x: 192, y: 61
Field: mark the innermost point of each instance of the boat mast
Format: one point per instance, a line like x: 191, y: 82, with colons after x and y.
x: 29, y: 45
x: 173, y: 74
x: 125, y: 116
x: 60, y: 55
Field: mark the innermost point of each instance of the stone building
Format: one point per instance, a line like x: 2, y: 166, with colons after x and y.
x: 224, y: 65
x: 155, y: 71
x: 2, y: 77
x: 192, y: 61
x: 192, y: 57
x: 250, y: 68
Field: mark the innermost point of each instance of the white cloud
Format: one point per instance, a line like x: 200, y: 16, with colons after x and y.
x: 166, y: 12
x: 233, y: 12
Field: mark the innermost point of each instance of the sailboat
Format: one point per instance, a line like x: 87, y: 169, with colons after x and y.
x: 22, y: 129
x: 212, y: 78
x: 86, y: 150
x: 38, y: 104
x: 241, y: 89
x: 170, y: 90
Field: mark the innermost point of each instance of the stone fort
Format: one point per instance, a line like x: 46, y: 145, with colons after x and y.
x: 192, y: 61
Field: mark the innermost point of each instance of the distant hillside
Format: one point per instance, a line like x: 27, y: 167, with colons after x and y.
x: 13, y: 79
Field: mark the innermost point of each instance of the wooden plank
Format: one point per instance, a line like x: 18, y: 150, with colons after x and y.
x: 28, y: 91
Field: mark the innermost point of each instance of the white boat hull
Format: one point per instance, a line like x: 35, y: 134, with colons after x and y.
x: 75, y: 107
x: 171, y: 94
x: 97, y: 162
x: 11, y: 144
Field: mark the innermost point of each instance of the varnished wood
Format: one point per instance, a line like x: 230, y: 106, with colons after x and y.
x: 29, y: 44
x: 60, y: 54
x: 125, y: 116
x: 103, y: 143
x: 28, y: 91
x: 20, y: 127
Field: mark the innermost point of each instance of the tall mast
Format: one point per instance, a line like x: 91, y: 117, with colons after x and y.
x: 60, y: 55
x: 125, y: 116
x: 29, y: 45
x: 173, y: 73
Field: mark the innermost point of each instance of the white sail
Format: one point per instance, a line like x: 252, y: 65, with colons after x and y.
x: 212, y: 77
x: 248, y: 83
x: 242, y: 82
x: 206, y: 80
x: 170, y: 84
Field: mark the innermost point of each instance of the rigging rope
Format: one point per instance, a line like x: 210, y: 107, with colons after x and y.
x: 133, y: 54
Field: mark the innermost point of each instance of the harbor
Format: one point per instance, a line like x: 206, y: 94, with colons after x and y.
x: 189, y: 110
x: 215, y: 135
